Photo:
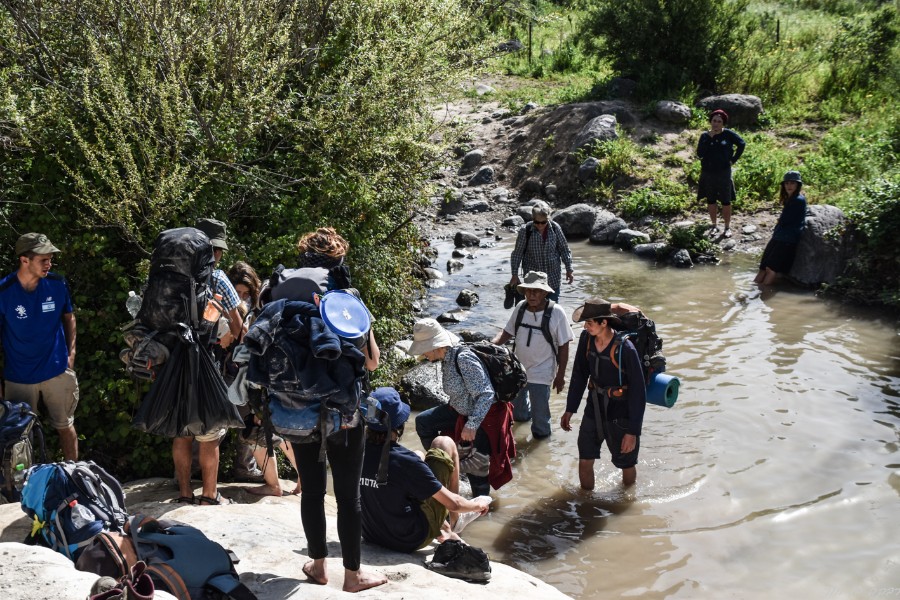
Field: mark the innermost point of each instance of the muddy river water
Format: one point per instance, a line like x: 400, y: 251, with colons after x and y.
x: 776, y: 474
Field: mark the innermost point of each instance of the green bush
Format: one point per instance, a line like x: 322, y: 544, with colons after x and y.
x: 662, y: 198
x: 874, y: 220
x: 121, y: 118
x: 665, y: 45
x: 617, y: 158
x: 861, y: 51
x: 692, y: 238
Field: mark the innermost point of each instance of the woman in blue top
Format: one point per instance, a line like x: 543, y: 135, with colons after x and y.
x: 778, y: 257
x: 718, y: 149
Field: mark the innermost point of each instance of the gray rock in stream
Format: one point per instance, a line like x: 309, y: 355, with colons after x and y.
x: 421, y: 387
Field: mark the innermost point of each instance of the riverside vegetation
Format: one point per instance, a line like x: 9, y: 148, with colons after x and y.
x: 122, y: 118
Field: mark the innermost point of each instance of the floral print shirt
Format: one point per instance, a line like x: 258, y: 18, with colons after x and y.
x: 468, y: 388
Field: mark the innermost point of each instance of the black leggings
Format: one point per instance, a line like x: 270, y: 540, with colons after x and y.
x: 345, y: 454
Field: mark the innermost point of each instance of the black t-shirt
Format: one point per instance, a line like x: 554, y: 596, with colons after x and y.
x: 391, y: 516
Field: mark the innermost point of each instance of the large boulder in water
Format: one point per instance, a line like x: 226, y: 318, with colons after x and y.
x: 820, y: 257
x: 606, y: 227
x: 576, y: 220
x: 422, y: 386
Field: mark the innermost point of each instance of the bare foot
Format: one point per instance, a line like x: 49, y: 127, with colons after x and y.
x: 297, y: 490
x: 315, y: 570
x: 357, y: 581
x: 266, y: 490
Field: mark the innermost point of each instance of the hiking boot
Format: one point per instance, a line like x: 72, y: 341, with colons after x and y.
x: 714, y: 231
x: 455, y: 559
x: 727, y: 232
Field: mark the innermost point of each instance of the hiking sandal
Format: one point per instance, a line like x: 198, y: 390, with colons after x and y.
x: 186, y: 500
x: 219, y: 499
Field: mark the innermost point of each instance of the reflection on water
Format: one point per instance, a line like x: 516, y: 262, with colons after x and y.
x: 777, y: 472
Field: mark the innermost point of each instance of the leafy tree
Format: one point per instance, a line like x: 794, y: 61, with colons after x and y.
x: 121, y: 118
x: 665, y: 44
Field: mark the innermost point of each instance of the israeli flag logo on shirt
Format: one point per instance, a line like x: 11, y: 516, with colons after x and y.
x: 49, y: 305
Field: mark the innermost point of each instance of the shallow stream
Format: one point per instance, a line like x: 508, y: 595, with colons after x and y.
x: 776, y: 474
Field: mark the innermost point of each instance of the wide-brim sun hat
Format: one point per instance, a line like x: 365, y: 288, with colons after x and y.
x: 429, y: 335
x: 534, y: 280
x: 595, y: 308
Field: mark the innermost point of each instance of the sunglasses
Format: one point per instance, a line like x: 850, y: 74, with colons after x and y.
x: 540, y: 222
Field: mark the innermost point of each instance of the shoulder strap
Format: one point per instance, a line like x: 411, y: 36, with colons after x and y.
x: 529, y: 228
x: 545, y: 326
x: 170, y: 579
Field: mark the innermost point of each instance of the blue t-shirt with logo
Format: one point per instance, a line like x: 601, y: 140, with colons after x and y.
x: 31, y: 331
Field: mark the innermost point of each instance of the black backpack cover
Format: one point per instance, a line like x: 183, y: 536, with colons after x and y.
x: 178, y: 288
x: 642, y: 333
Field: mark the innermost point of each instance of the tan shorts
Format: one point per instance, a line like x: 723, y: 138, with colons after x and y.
x: 59, y: 395
x: 212, y: 436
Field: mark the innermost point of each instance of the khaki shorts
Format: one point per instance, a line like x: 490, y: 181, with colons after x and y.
x: 59, y: 395
x: 436, y: 513
x: 212, y: 436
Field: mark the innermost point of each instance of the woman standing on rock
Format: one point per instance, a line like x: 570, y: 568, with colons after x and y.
x: 778, y: 257
x: 718, y: 149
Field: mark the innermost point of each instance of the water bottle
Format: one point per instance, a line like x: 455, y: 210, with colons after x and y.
x: 213, y: 309
x: 81, y: 517
x: 18, y: 477
x: 133, y: 304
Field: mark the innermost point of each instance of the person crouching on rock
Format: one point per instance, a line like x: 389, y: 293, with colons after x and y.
x: 472, y: 416
x: 778, y: 257
x: 410, y: 509
x: 617, y: 395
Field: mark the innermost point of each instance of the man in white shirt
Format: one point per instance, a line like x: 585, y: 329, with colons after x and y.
x: 542, y: 333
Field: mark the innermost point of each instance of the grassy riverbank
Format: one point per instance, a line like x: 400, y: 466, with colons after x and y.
x: 827, y: 72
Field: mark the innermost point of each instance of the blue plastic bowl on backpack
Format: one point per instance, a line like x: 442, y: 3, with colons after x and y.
x: 344, y: 313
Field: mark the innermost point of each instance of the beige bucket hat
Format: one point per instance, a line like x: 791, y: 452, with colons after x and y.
x: 534, y: 280
x: 428, y: 335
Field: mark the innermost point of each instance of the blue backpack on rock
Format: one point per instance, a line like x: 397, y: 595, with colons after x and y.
x: 19, y: 429
x: 70, y: 503
x: 183, y: 561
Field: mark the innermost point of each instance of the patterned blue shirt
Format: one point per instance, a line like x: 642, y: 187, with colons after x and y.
x: 542, y: 254
x: 470, y: 391
x: 222, y: 285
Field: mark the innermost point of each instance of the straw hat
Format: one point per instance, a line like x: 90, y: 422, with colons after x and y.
x: 428, y: 335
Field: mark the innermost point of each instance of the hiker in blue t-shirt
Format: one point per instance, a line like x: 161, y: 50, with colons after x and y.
x: 410, y: 510
x: 37, y: 331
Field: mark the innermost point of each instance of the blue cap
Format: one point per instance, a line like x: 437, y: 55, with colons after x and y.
x: 390, y: 402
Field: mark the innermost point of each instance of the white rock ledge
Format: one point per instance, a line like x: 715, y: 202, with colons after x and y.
x: 266, y: 534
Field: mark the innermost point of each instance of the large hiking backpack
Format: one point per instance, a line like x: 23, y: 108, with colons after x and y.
x: 506, y: 372
x: 178, y: 288
x: 642, y: 333
x: 18, y: 426
x: 183, y: 561
x: 70, y: 503
x: 180, y: 559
